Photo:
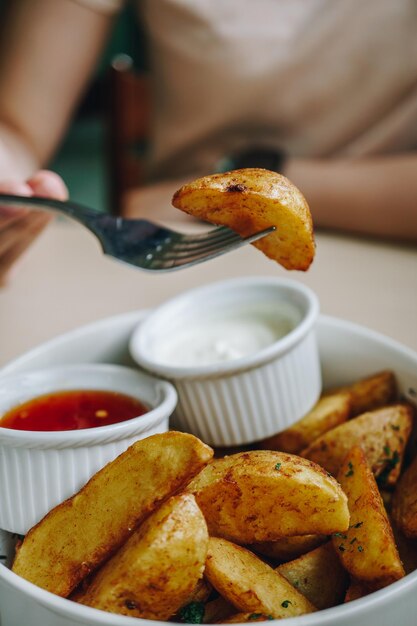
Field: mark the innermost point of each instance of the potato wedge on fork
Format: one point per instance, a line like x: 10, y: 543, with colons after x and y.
x: 249, y: 201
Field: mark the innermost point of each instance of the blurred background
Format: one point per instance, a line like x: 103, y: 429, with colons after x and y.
x: 81, y: 159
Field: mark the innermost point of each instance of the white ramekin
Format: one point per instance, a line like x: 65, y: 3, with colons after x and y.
x: 246, y: 399
x: 38, y: 470
x: 347, y: 351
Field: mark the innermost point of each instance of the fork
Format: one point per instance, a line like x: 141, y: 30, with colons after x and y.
x: 142, y: 243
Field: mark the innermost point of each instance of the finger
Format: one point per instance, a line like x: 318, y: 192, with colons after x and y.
x: 48, y: 185
x: 10, y: 213
x: 16, y: 249
x: 22, y: 230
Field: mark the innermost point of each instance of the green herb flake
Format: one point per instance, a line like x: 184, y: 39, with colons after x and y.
x: 387, y: 450
x: 391, y: 463
x: 353, y: 540
x: 350, y: 471
x: 286, y: 603
x: 193, y: 613
x: 360, y: 548
x: 278, y: 466
x: 395, y: 427
x: 340, y: 535
x: 255, y: 616
x: 357, y: 525
x: 342, y: 547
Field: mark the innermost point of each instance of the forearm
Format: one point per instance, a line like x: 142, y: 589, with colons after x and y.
x: 17, y: 160
x: 372, y: 196
x: 48, y: 50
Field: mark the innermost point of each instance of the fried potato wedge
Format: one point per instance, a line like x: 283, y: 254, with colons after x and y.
x: 263, y: 495
x: 367, y: 549
x: 250, y: 584
x: 330, y: 411
x: 406, y: 546
x: 383, y: 434
x: 404, y: 502
x: 371, y: 392
x: 157, y: 568
x: 288, y: 548
x: 319, y: 576
x: 356, y: 590
x: 82, y: 532
x: 218, y: 611
x: 251, y: 200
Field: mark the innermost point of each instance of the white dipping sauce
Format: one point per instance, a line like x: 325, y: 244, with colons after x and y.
x: 217, y: 339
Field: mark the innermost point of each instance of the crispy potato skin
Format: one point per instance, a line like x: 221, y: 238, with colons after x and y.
x: 288, y: 548
x: 318, y: 575
x: 250, y: 200
x: 367, y: 550
x: 264, y: 495
x: 250, y: 584
x: 156, y: 570
x: 404, y: 503
x: 356, y: 590
x: 383, y: 434
x: 79, y: 534
x: 372, y: 392
x: 329, y: 412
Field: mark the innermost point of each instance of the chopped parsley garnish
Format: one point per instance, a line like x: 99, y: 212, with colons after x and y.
x: 387, y: 450
x: 286, y: 603
x: 395, y: 427
x: 391, y: 463
x: 353, y: 540
x: 342, y: 547
x: 278, y: 466
x: 357, y: 525
x: 360, y: 549
x: 259, y: 616
x: 193, y: 613
x: 341, y: 535
x: 350, y: 471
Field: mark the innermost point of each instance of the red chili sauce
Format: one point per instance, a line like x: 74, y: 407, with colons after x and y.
x: 73, y: 410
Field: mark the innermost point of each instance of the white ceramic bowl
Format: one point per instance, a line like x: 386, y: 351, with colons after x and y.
x: 347, y: 352
x: 251, y: 396
x: 38, y: 470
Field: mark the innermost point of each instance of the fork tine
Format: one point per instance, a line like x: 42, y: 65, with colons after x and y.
x: 203, y: 245
x: 165, y: 262
x: 214, y: 233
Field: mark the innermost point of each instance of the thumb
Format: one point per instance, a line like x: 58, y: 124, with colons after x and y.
x: 48, y: 185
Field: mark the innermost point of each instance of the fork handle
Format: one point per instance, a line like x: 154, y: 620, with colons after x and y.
x: 78, y: 212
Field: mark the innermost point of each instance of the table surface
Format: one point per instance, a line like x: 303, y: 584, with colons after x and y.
x: 64, y: 281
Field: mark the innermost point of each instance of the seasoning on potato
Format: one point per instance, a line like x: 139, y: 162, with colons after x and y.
x: 249, y: 201
x: 79, y: 534
x: 236, y: 495
x: 367, y: 549
x: 318, y: 575
x: 404, y: 503
x: 330, y: 411
x: 250, y: 584
x: 157, y: 568
x: 383, y: 434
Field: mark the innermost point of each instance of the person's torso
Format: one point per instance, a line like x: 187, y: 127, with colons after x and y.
x: 314, y: 77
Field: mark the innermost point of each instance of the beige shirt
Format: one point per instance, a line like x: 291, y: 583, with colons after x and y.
x: 313, y: 77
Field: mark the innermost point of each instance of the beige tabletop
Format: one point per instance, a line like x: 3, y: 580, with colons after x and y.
x: 65, y: 281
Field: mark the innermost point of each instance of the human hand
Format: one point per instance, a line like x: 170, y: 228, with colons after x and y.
x: 19, y: 227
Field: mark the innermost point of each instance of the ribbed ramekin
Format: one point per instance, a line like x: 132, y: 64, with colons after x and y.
x: 245, y: 399
x: 38, y: 470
